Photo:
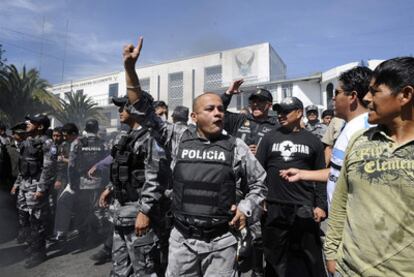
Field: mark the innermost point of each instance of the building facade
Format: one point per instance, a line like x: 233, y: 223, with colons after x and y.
x: 178, y: 82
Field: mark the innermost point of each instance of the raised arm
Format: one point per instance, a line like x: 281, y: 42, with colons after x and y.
x: 130, y: 55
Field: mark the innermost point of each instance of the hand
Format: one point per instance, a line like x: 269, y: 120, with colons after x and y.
x: 103, y: 202
x: 13, y: 190
x: 264, y: 206
x: 235, y: 87
x: 131, y: 54
x: 91, y: 172
x: 142, y: 224
x: 331, y: 266
x: 318, y: 214
x: 58, y: 185
x: 253, y: 148
x: 291, y: 174
x: 38, y: 195
x: 239, y: 220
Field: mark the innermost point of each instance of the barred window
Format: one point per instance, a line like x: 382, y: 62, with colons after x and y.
x: 112, y: 92
x: 287, y: 90
x: 212, y: 78
x: 175, y: 90
x: 145, y: 84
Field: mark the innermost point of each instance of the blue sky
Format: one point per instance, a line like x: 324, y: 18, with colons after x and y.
x: 310, y: 36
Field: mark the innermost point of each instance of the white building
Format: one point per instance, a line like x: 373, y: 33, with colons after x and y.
x: 178, y: 82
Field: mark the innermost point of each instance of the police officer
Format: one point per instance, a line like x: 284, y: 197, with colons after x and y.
x: 314, y: 125
x: 207, y: 165
x: 37, y: 165
x: 13, y: 150
x: 4, y: 159
x: 86, y: 151
x: 135, y: 185
x: 252, y: 126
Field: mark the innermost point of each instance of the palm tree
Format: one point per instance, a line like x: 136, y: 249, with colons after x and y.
x: 23, y: 93
x: 78, y: 108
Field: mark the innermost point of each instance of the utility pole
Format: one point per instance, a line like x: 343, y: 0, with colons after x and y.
x: 64, y: 49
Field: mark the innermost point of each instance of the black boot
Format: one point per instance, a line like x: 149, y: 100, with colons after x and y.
x: 35, y: 259
x: 102, y: 256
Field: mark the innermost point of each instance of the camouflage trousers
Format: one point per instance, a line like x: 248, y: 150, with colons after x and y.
x: 22, y: 216
x: 135, y: 256
x: 36, y: 213
x: 193, y: 257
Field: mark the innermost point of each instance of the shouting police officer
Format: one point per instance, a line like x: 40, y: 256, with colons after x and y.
x: 207, y: 165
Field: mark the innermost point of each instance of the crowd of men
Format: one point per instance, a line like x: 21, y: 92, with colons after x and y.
x: 229, y: 194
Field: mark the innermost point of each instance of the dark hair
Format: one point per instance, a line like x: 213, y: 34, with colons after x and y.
x: 160, y: 103
x: 356, y: 79
x: 58, y: 129
x: 327, y: 112
x: 70, y: 129
x: 395, y: 73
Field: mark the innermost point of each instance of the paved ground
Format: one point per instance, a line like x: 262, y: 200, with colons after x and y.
x: 63, y: 260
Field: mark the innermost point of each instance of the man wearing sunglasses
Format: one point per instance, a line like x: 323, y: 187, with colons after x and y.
x: 290, y: 227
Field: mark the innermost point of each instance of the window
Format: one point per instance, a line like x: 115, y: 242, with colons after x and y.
x: 287, y: 90
x: 329, y: 93
x: 79, y: 91
x: 175, y: 90
x: 112, y: 92
x: 145, y: 84
x: 66, y: 96
x: 212, y: 78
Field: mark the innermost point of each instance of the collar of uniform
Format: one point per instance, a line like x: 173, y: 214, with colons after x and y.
x: 90, y: 135
x: 137, y: 128
x: 197, y: 136
x: 268, y: 119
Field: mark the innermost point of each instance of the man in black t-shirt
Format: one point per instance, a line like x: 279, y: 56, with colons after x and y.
x: 291, y: 226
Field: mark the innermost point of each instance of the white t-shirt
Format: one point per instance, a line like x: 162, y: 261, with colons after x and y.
x: 338, y: 153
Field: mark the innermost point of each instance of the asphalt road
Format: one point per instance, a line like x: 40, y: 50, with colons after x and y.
x: 65, y: 259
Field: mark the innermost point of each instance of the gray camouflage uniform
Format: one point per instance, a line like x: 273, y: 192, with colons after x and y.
x: 318, y: 129
x: 194, y: 257
x: 37, y: 209
x: 133, y: 255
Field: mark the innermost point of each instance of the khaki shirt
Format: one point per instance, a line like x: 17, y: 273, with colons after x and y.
x: 371, y: 226
x: 333, y: 130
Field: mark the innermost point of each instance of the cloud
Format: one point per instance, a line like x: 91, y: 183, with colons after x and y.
x: 28, y: 5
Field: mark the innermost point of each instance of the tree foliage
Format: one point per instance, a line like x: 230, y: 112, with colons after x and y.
x: 23, y: 93
x: 78, y: 108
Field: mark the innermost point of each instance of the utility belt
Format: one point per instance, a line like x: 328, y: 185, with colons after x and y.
x: 126, y: 193
x: 201, y: 233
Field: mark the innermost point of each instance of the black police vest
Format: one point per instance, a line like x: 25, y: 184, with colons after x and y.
x: 92, y: 151
x: 252, y: 132
x: 128, y: 169
x: 31, y: 157
x: 204, y: 183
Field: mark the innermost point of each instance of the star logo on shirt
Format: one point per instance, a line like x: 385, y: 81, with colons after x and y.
x: 286, y: 152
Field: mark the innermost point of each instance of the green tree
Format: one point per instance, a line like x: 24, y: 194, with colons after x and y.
x: 23, y: 93
x: 77, y: 109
